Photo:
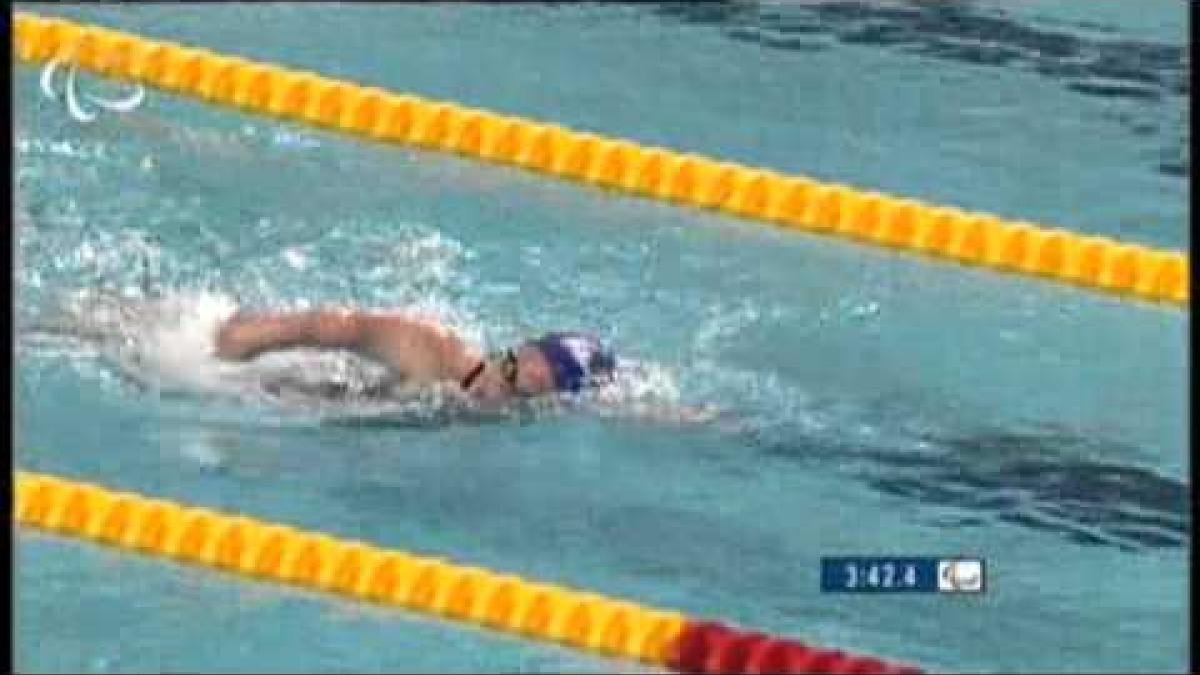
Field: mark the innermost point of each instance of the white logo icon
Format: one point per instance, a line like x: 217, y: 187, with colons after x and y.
x: 960, y: 576
x: 73, y: 105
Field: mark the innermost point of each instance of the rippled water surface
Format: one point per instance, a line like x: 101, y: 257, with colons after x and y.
x: 875, y: 403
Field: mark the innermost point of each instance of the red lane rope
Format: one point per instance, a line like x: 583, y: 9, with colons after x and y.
x: 712, y: 647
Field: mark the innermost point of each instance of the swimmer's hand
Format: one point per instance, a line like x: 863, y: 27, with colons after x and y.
x: 234, y: 341
x: 676, y: 415
x: 697, y: 414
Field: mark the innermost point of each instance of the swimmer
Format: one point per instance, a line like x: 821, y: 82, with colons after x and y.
x: 420, y: 351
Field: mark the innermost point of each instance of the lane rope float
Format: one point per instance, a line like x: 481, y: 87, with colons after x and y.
x: 266, y: 551
x: 943, y: 233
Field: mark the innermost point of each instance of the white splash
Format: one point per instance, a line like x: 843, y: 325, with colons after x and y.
x: 179, y: 341
x: 295, y: 258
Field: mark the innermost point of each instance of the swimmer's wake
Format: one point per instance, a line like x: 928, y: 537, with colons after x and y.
x: 167, y: 345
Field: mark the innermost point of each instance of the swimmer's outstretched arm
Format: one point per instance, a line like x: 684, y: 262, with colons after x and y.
x: 412, y: 346
x: 245, y: 336
x: 663, y: 413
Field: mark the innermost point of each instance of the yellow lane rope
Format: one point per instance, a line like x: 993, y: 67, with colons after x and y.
x: 1101, y: 263
x: 254, y: 548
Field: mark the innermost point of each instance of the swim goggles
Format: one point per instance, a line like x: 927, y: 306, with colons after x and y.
x: 507, y: 362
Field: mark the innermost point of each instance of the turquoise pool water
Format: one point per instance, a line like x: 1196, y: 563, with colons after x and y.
x: 884, y: 404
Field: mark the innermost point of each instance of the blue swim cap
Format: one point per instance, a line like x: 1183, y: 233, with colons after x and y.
x: 577, y: 359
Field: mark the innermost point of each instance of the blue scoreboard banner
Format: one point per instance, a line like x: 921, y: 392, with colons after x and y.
x: 902, y: 574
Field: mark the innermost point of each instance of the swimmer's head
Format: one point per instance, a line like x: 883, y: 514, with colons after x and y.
x: 575, y: 360
x: 553, y: 363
